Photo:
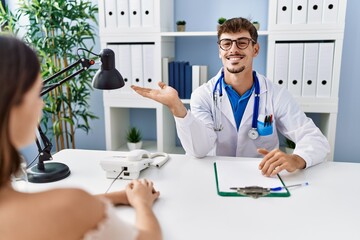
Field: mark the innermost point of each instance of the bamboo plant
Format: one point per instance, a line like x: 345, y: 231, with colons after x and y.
x: 56, y: 29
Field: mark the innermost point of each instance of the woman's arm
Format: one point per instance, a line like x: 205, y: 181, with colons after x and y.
x: 141, y: 195
x: 117, y: 198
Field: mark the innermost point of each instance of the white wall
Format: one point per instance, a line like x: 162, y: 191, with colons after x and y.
x: 347, y: 142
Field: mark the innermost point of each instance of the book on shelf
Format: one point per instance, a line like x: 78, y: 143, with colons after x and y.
x: 199, y: 75
x: 183, y: 76
x: 177, y: 76
x: 203, y: 74
x: 171, y: 74
x: 182, y: 79
x: 188, y: 81
x: 195, y: 77
x: 165, y: 69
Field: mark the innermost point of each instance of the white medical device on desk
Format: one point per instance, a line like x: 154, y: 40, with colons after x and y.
x: 129, y: 165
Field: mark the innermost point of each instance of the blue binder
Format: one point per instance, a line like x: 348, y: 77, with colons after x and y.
x: 171, y: 75
x: 177, y: 77
x: 182, y: 79
x: 188, y: 81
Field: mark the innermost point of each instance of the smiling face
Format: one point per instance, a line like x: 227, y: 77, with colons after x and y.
x: 236, y: 60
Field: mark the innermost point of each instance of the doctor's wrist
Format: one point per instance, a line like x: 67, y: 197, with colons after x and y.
x: 179, y: 110
x: 299, y: 161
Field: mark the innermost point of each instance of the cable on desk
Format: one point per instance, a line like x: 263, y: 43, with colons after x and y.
x: 31, y: 163
x: 115, y: 180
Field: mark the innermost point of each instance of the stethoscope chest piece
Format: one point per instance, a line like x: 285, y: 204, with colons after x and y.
x: 253, y: 134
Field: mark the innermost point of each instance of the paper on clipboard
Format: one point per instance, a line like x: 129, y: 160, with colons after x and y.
x: 244, y: 174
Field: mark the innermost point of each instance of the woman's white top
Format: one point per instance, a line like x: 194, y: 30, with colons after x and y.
x: 112, y: 227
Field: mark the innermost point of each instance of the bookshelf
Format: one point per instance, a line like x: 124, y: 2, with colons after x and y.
x: 314, y: 25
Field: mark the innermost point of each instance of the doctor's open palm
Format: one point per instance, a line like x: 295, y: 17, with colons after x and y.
x: 165, y: 95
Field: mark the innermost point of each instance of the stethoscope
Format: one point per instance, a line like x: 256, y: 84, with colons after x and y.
x: 217, y: 102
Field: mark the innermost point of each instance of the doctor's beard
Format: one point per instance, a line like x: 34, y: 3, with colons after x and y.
x: 236, y: 70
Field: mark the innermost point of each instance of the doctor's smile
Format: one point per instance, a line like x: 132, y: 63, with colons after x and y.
x: 235, y: 57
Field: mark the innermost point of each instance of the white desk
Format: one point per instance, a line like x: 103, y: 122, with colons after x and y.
x: 189, y: 207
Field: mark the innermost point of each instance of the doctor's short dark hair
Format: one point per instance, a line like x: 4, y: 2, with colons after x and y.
x: 235, y: 25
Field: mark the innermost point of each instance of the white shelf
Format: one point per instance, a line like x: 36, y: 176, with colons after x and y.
x: 318, y: 105
x: 147, y: 145
x: 185, y: 101
x: 151, y: 146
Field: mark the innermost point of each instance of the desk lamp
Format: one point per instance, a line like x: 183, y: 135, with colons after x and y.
x: 106, y: 78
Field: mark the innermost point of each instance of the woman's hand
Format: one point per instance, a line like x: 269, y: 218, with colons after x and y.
x: 141, y: 193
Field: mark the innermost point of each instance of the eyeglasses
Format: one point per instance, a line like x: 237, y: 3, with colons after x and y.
x: 242, y: 43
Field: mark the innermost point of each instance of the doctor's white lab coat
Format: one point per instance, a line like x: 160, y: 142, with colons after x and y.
x: 198, y: 137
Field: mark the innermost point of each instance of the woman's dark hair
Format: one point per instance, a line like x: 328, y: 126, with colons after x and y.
x: 235, y: 25
x: 19, y: 69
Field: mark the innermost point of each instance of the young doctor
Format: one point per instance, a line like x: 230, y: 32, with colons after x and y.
x: 239, y: 111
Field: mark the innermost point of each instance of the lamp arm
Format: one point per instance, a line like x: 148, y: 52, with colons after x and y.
x: 62, y: 71
x: 55, y: 85
x: 45, y: 152
x: 86, y: 63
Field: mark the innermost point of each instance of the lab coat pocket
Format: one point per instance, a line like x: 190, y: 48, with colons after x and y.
x: 264, y: 129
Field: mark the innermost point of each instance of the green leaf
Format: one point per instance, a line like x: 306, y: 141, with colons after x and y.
x: 56, y: 29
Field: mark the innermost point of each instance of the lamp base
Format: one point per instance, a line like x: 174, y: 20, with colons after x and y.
x: 53, y: 172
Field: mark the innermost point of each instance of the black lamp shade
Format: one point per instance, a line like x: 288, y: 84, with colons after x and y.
x: 107, y: 77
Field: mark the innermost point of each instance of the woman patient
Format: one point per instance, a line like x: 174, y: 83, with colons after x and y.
x: 59, y: 213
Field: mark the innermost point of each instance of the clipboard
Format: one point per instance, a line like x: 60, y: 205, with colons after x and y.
x: 230, y: 173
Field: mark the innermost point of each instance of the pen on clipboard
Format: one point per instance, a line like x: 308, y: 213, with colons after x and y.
x: 290, y: 186
x: 275, y: 189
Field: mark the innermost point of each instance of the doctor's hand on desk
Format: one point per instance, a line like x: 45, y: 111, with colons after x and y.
x: 275, y: 161
x: 165, y: 95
